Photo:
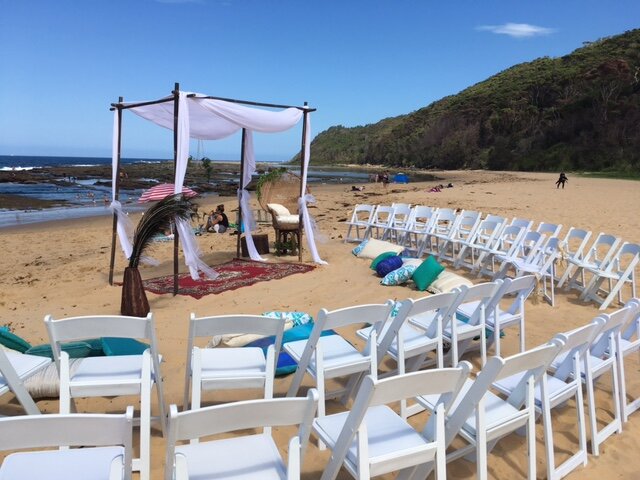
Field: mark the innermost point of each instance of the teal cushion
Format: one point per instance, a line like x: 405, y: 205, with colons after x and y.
x: 400, y: 276
x: 356, y: 251
x: 13, y: 341
x: 113, y: 346
x: 74, y: 349
x: 426, y: 273
x: 381, y: 257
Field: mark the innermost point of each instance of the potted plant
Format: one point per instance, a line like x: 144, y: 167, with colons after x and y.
x: 158, y: 219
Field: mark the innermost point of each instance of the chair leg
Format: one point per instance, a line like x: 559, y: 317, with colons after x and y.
x: 145, y: 419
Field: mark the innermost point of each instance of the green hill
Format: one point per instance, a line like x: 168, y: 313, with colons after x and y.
x: 580, y: 112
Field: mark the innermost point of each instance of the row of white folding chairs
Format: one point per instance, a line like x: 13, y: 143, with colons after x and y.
x: 609, y: 338
x: 456, y: 237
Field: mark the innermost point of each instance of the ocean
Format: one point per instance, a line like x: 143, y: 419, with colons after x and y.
x: 86, y: 197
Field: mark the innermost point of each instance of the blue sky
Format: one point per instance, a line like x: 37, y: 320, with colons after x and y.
x: 63, y: 62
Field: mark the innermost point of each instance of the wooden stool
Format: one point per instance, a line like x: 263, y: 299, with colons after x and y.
x: 261, y: 241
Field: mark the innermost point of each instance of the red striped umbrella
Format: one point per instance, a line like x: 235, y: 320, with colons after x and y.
x: 163, y: 190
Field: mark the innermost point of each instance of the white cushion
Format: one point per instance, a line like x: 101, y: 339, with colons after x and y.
x: 291, y: 220
x: 279, y: 210
x: 447, y: 281
x: 374, y: 247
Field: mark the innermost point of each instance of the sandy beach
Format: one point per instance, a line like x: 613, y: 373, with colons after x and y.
x: 61, y: 268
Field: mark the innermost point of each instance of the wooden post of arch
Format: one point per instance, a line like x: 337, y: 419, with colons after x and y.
x: 116, y: 187
x: 176, y: 103
x: 302, y: 174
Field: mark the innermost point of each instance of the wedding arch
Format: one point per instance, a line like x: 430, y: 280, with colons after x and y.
x: 194, y: 115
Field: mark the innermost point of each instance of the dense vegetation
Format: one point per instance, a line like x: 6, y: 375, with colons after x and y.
x: 580, y: 112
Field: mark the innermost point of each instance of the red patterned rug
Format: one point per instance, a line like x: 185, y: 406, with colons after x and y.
x: 234, y: 274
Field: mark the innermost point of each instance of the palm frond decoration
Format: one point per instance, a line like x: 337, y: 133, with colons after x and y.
x: 156, y: 220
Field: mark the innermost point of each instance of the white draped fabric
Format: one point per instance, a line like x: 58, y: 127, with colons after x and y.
x: 124, y: 224
x: 209, y: 119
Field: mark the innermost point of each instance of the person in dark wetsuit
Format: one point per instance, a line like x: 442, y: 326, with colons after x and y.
x: 562, y: 180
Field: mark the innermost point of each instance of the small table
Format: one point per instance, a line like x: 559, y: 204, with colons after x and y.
x: 261, y: 241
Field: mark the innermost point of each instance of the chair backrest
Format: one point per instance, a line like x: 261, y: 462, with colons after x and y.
x: 575, y: 346
x: 481, y: 293
x: 608, y: 340
x: 632, y: 327
x: 603, y: 249
x: 549, y: 229
x: 404, y: 206
x: 82, y: 328
x: 362, y: 213
x: 382, y: 215
x: 530, y: 245
x: 422, y: 218
x: 441, y: 307
x: 233, y: 324
x: 520, y: 288
x: 532, y: 362
x: 496, y: 218
x: 370, y: 313
x: 625, y: 260
x: 229, y: 417
x: 444, y: 382
x: 510, y: 238
x: 401, y: 214
x: 522, y: 223
x: 575, y: 241
x: 70, y: 430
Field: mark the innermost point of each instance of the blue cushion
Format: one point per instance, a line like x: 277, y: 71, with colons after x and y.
x: 356, y: 251
x: 381, y: 257
x: 388, y: 265
x: 74, y: 349
x: 113, y: 346
x: 399, y: 276
x: 13, y: 341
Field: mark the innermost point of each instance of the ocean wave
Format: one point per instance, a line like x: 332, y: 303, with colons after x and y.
x: 16, y: 169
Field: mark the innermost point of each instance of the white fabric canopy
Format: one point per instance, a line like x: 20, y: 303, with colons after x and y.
x: 209, y: 119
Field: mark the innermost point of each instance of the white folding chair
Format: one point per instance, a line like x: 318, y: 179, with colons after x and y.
x: 230, y: 368
x: 468, y: 322
x: 112, y: 375
x: 360, y: 220
x: 541, y: 264
x: 463, y: 231
x: 620, y: 270
x: 482, y: 417
x: 484, y: 236
x: 629, y: 343
x: 252, y: 456
x: 523, y: 223
x: 409, y: 345
x: 371, y: 439
x: 332, y: 356
x: 381, y: 220
x: 399, y: 220
x: 109, y: 436
x: 443, y: 222
x: 600, y: 253
x: 602, y: 358
x: 15, y: 367
x: 516, y: 291
x: 418, y: 226
x: 506, y: 244
x: 556, y: 389
x: 572, y: 248
x: 526, y: 253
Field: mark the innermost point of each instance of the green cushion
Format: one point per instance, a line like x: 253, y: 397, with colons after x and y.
x: 74, y: 349
x: 426, y: 273
x: 13, y: 341
x: 122, y: 346
x: 381, y: 257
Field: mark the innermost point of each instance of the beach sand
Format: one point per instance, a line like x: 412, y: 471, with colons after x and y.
x: 61, y: 268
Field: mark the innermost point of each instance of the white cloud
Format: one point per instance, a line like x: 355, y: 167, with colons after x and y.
x: 517, y: 30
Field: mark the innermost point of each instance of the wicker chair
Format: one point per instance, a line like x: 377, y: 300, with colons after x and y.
x: 286, y: 226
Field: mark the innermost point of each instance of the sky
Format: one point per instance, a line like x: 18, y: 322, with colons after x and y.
x: 63, y: 62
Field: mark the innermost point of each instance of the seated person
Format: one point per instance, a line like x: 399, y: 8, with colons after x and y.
x: 218, y: 221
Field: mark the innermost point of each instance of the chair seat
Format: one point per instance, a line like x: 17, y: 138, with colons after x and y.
x: 24, y: 365
x: 108, y: 376
x: 557, y: 390
x: 287, y: 221
x: 234, y: 364
x: 415, y: 342
x: 239, y: 458
x: 340, y: 357
x: 72, y: 464
x: 387, y: 433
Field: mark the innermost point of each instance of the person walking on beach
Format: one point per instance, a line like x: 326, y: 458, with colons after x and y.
x: 562, y: 180
x: 385, y: 179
